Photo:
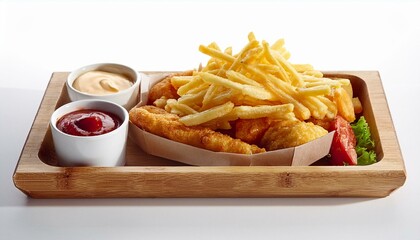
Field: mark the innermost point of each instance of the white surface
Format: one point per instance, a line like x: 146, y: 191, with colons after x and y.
x: 38, y: 38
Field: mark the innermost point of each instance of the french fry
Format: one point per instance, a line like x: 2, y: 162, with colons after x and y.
x: 283, y: 91
x: 192, y: 99
x: 311, y: 81
x: 249, y: 112
x: 296, y: 78
x: 303, y: 67
x: 211, y: 91
x: 343, y: 81
x: 332, y: 108
x: 198, y: 88
x: 286, y: 54
x: 256, y: 82
x: 357, y: 105
x: 250, y: 90
x: 278, y: 45
x: 301, y: 111
x: 216, y: 97
x: 180, y: 108
x: 194, y: 83
x: 318, y: 108
x: 274, y: 61
x: 253, y: 56
x: 349, y: 89
x: 249, y: 101
x: 161, y: 102
x: 344, y: 104
x: 216, y: 54
x: 314, y: 73
x: 315, y: 90
x: 240, y: 78
x: 252, y: 44
x: 251, y: 37
x: 207, y: 115
x: 178, y: 81
x: 214, y: 45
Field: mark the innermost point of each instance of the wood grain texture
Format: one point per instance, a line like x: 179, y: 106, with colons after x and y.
x: 38, y: 175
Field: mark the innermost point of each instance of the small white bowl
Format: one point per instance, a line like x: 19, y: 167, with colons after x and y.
x: 105, y: 150
x: 127, y: 98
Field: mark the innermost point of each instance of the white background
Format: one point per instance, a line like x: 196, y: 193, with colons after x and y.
x: 41, y: 37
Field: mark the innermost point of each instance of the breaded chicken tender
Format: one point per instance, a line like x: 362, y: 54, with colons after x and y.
x: 159, y: 122
x: 285, y: 134
x: 161, y: 89
x: 165, y: 89
x: 251, y: 130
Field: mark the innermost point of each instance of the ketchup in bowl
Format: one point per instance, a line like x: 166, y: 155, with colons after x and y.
x: 88, y: 122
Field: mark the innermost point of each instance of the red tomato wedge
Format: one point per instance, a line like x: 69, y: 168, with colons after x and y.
x: 343, y: 145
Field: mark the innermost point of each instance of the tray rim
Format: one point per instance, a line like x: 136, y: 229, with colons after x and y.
x: 30, y: 168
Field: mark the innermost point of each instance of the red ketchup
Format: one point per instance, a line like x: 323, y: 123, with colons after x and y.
x: 88, y: 122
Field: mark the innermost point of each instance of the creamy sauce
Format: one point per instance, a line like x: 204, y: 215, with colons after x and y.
x: 101, y: 83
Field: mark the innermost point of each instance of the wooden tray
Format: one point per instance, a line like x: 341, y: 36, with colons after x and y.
x: 38, y: 175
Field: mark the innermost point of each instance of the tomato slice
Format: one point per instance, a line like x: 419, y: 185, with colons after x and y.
x: 343, y: 145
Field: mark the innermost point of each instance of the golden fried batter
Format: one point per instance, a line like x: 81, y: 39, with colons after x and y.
x: 284, y: 134
x: 251, y: 130
x: 325, y: 123
x: 157, y: 121
x: 165, y: 89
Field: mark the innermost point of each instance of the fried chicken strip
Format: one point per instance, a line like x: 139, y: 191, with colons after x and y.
x: 251, y: 130
x: 157, y: 121
x: 284, y: 134
x: 165, y: 89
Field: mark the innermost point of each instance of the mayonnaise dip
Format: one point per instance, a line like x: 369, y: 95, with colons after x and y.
x: 101, y: 83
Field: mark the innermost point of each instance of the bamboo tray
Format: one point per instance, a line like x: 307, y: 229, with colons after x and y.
x: 38, y: 175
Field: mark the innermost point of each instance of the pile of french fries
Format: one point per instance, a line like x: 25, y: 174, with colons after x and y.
x: 258, y: 81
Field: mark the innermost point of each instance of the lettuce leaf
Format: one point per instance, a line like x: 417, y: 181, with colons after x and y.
x: 364, y: 143
x: 365, y: 157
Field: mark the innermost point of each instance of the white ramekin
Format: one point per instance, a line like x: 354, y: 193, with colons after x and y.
x: 102, y: 150
x: 127, y: 98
